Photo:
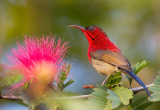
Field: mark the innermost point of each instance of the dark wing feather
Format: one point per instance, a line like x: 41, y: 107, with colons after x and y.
x: 114, y: 58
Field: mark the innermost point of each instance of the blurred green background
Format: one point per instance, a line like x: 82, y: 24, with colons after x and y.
x: 134, y: 26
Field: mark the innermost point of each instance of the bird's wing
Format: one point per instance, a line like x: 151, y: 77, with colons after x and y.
x: 114, y: 58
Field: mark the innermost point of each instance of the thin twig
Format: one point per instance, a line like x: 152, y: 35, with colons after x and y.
x: 11, y: 97
x: 135, y: 90
x: 78, y: 97
x: 138, y: 89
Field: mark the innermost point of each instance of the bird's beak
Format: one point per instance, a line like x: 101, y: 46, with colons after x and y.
x: 78, y: 27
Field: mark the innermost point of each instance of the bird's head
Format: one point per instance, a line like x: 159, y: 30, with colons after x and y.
x: 97, y: 38
x: 92, y: 32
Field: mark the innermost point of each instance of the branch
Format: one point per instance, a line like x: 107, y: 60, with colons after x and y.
x: 11, y: 98
x: 135, y: 90
x: 78, y: 97
x: 138, y: 89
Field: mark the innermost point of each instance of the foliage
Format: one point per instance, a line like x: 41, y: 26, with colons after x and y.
x: 103, y: 98
x: 114, y: 80
x: 62, y: 76
x: 155, y: 96
x: 140, y: 103
x: 9, y: 80
x: 124, y: 94
x: 137, y: 67
x: 112, y: 95
x: 98, y: 99
x: 113, y: 99
x: 47, y: 100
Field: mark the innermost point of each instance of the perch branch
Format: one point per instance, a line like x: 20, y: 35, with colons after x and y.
x: 138, y: 89
x: 135, y: 90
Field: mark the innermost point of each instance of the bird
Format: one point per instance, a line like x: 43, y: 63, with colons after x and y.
x: 105, y: 56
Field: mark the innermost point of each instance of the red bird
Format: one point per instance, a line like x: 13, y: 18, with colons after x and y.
x: 105, y: 56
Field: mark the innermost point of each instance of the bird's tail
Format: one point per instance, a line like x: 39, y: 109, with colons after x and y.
x: 135, y: 77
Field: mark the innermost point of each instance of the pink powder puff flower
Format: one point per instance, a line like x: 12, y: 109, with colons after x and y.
x: 38, y: 59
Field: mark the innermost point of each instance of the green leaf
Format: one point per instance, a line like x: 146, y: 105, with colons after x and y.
x: 143, y: 106
x: 98, y: 98
x: 154, y: 88
x: 114, y: 80
x: 124, y: 94
x: 68, y: 83
x: 62, y: 76
x: 155, y: 96
x: 139, y: 101
x: 26, y: 85
x: 123, y: 108
x: 108, y: 105
x: 106, y: 99
x: 114, y: 98
x: 157, y: 80
x: 137, y: 67
x: 10, y: 80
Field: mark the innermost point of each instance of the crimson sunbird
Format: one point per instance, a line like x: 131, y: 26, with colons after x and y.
x: 105, y: 56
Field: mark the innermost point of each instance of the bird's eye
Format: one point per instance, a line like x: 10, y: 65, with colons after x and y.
x: 90, y: 28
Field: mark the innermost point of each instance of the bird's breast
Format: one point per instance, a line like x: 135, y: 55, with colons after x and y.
x: 103, y: 67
